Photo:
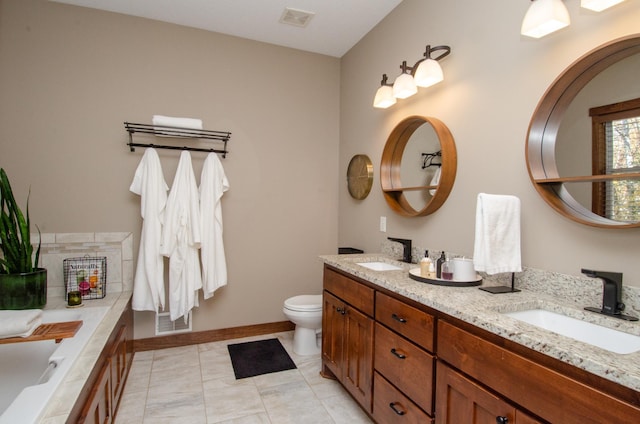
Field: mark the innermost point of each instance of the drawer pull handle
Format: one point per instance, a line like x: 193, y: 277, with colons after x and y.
x: 392, y: 405
x: 341, y: 311
x: 399, y: 319
x: 502, y: 420
x: 398, y: 354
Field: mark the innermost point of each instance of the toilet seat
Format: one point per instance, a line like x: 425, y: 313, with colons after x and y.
x: 304, y: 303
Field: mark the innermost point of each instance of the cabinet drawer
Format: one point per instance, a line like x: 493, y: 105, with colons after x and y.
x: 352, y: 292
x: 411, y: 322
x: 552, y: 396
x: 405, y: 365
x: 391, y: 406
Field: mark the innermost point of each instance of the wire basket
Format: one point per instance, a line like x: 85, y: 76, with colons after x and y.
x: 88, y: 275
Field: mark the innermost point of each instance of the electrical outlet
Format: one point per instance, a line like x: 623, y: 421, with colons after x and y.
x: 383, y: 224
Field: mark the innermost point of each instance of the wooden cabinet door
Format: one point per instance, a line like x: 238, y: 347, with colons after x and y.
x: 118, y: 365
x: 97, y: 410
x: 461, y: 401
x: 332, y: 334
x: 358, y: 356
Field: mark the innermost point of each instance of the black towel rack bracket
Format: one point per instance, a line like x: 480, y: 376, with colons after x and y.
x: 175, y: 132
x: 428, y: 159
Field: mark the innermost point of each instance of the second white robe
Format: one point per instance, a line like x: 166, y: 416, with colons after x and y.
x: 181, y: 240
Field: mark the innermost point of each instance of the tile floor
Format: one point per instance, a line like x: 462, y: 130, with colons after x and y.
x: 196, y: 384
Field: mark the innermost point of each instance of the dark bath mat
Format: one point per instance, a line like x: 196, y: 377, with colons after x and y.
x: 261, y: 357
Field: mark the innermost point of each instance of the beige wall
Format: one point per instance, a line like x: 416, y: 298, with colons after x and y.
x: 70, y: 77
x: 494, y: 79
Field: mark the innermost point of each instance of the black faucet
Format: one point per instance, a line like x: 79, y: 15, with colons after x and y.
x: 611, y: 294
x: 406, y: 244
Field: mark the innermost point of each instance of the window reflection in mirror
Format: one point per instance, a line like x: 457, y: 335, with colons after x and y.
x: 577, y: 155
x: 616, y: 151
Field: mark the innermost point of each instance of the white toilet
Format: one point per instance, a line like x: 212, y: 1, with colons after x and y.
x: 306, y: 313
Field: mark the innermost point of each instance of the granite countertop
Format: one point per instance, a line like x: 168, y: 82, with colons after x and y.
x: 484, y: 310
x: 65, y: 397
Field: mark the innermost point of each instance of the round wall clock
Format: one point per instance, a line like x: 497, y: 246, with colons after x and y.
x: 360, y: 176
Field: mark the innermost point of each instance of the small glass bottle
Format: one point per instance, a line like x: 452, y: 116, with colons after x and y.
x: 447, y: 270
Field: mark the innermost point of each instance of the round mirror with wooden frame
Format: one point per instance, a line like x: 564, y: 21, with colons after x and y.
x: 431, y: 194
x: 543, y: 141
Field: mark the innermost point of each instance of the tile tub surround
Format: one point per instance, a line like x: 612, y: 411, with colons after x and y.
x: 117, y: 247
x: 558, y: 293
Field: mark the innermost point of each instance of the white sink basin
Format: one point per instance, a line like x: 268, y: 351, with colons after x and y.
x: 593, y: 334
x: 379, y: 266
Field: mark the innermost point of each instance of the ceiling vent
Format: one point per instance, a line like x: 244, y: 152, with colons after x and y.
x: 296, y: 17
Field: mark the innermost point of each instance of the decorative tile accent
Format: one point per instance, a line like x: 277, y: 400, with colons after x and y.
x: 116, y: 246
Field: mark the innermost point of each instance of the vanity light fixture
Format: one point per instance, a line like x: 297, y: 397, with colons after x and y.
x: 384, y: 96
x: 546, y: 16
x: 404, y: 86
x: 598, y: 5
x: 424, y: 73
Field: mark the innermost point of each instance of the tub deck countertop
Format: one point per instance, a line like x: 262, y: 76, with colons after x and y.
x: 485, y: 310
x: 65, y: 397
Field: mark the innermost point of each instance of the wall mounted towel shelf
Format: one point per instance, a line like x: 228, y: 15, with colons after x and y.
x: 175, y: 132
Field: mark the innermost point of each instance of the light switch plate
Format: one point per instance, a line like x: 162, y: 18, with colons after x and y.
x: 383, y: 224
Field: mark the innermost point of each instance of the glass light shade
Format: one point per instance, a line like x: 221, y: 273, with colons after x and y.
x: 384, y: 97
x: 428, y: 73
x: 599, y: 5
x: 404, y: 87
x: 544, y: 17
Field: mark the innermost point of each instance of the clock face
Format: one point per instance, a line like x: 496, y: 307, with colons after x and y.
x: 360, y: 176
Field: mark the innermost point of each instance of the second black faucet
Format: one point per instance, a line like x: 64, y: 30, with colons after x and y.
x: 406, y: 244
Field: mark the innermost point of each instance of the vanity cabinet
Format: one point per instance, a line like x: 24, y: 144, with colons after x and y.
x: 553, y: 396
x: 103, y: 389
x: 403, y: 362
x: 347, y: 335
x: 429, y: 367
x: 461, y: 400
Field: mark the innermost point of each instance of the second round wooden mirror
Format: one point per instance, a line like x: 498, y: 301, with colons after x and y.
x: 418, y: 166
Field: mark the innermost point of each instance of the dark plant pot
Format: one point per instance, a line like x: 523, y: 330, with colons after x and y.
x: 23, y: 291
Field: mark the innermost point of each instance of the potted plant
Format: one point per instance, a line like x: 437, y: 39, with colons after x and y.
x: 23, y: 285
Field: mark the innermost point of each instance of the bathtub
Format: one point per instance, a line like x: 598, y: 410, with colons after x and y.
x: 30, y: 372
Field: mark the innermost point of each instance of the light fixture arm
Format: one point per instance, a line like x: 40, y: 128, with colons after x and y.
x: 384, y: 81
x: 427, y: 55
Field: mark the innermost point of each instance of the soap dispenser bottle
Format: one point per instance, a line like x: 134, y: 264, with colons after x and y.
x: 424, y: 264
x: 439, y: 263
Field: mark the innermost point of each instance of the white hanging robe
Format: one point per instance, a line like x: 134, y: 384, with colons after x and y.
x: 181, y: 240
x: 149, y: 184
x: 213, y: 184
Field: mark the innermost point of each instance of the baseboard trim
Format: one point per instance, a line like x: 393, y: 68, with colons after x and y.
x: 186, y: 339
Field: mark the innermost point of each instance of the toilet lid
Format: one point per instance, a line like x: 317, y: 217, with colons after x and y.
x: 305, y: 302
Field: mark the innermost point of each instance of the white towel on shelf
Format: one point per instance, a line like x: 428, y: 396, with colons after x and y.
x: 181, y: 240
x: 497, y: 239
x: 19, y: 323
x: 170, y: 121
x: 213, y: 184
x: 149, y: 183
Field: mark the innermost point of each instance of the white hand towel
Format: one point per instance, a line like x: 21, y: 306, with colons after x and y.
x: 497, y: 240
x: 435, y: 180
x: 213, y: 184
x: 19, y: 323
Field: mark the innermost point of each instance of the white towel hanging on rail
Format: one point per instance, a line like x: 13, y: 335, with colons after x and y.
x: 497, y: 240
x: 181, y: 240
x: 213, y: 184
x: 149, y: 184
